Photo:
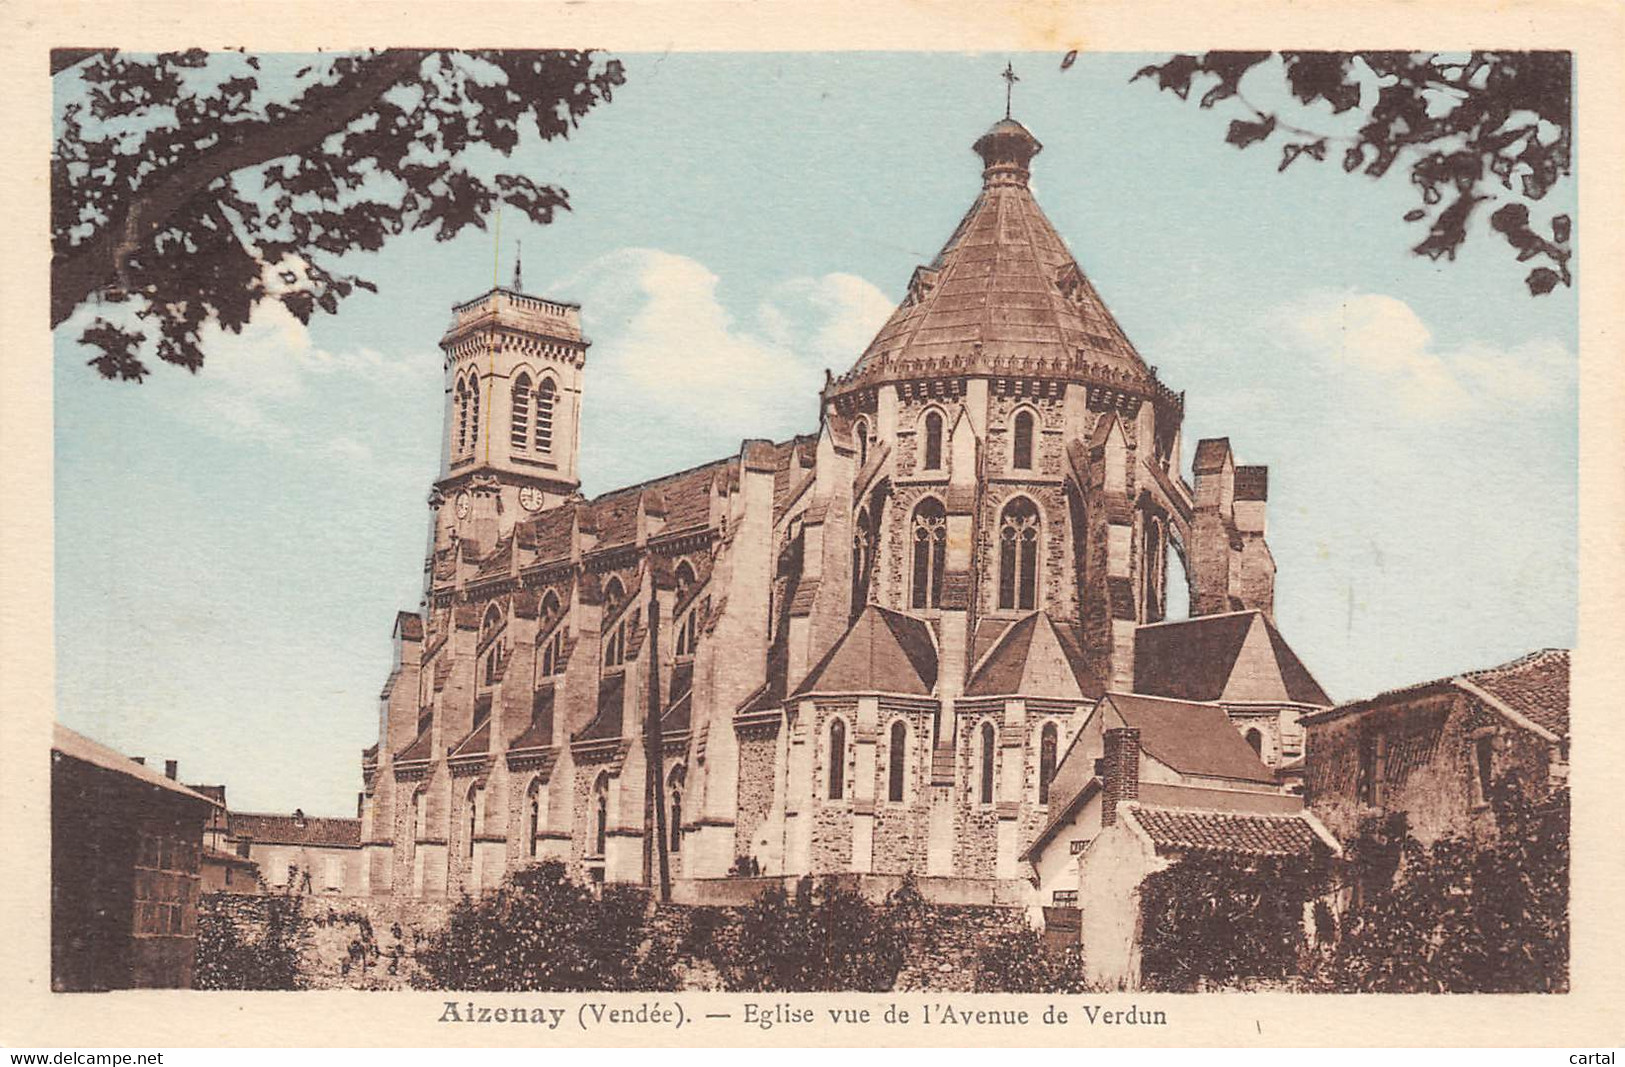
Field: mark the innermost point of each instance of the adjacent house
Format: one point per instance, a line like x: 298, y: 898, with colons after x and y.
x: 125, y: 844
x: 299, y: 853
x: 1434, y: 750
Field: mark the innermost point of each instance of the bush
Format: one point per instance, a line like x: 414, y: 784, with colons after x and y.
x: 1462, y: 916
x: 1016, y: 961
x: 823, y: 938
x: 542, y: 931
x: 229, y: 959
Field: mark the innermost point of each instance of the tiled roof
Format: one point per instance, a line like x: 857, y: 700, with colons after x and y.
x: 296, y: 830
x: 1196, y: 739
x: 1175, y: 830
x: 1005, y: 285
x: 1201, y: 659
x: 547, y: 536
x: 884, y: 651
x: 1535, y: 686
x: 1035, y: 658
x: 78, y: 746
x: 226, y: 859
x: 685, y: 496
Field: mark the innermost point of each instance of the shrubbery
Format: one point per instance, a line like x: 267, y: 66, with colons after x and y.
x: 823, y: 937
x: 227, y: 959
x: 541, y: 931
x: 1016, y: 961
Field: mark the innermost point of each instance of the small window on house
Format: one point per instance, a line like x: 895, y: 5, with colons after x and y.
x: 1367, y: 788
x: 989, y: 743
x: 897, y: 761
x: 837, y: 760
x: 1049, y: 740
x: 1022, y: 447
x: 1483, y: 769
x: 242, y: 849
x: 933, y: 441
x: 545, y: 397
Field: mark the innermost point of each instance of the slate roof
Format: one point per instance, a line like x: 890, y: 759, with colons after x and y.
x: 1196, y: 739
x: 1035, y: 657
x: 1535, y: 686
x: 884, y: 651
x: 296, y: 830
x: 1004, y: 285
x: 1177, y: 830
x: 1195, y: 659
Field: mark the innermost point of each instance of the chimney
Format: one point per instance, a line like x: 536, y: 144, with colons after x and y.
x: 1120, y: 772
x: 171, y: 768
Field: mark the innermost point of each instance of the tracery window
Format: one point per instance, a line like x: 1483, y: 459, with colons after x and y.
x: 1022, y: 447
x: 933, y: 440
x: 837, y: 759
x: 546, y: 395
x: 897, y: 761
x: 519, y: 431
x: 1049, y: 740
x: 1018, y: 555
x: 989, y: 742
x: 930, y: 527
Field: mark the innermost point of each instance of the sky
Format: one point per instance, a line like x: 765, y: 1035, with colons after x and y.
x: 231, y: 547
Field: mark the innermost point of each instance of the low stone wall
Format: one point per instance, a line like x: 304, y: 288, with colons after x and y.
x: 372, y: 942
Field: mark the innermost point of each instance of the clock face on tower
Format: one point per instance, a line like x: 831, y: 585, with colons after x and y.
x: 462, y: 505
x: 530, y: 497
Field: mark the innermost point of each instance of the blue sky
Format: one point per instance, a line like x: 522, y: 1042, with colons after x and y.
x: 231, y: 548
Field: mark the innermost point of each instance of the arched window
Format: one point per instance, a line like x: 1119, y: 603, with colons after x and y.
x: 860, y: 430
x: 546, y: 394
x: 1256, y: 740
x: 674, y: 824
x: 600, y: 836
x: 534, y: 821
x: 492, y: 619
x: 1021, y: 451
x: 461, y: 404
x: 614, y: 596
x: 1155, y: 554
x: 685, y: 579
x: 615, y: 646
x: 930, y: 552
x: 476, y: 813
x: 552, y: 655
x: 688, y: 633
x: 519, y: 431
x: 837, y: 759
x: 897, y: 761
x: 1018, y: 555
x: 933, y: 440
x: 473, y: 409
x: 988, y: 747
x: 420, y: 815
x: 1049, y: 740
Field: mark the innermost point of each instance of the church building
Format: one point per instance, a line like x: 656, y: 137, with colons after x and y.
x: 864, y: 650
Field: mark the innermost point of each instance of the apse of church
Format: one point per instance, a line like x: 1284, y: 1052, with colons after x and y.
x: 867, y: 649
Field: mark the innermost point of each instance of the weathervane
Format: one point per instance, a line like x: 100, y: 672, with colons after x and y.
x: 1010, y: 80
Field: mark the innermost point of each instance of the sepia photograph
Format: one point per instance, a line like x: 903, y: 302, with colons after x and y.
x: 943, y: 523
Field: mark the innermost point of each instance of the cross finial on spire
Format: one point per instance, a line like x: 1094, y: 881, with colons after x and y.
x: 1010, y: 80
x: 518, y: 266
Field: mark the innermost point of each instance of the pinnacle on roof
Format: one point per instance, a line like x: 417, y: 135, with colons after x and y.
x: 1007, y: 150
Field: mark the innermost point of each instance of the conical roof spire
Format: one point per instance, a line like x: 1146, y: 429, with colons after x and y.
x: 1004, y: 295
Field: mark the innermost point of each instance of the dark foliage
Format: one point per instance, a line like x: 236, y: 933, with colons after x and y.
x: 1470, y: 130
x: 179, y: 187
x: 1462, y: 916
x: 1210, y: 921
x: 1016, y: 961
x: 542, y: 931
x: 229, y: 958
x: 823, y: 938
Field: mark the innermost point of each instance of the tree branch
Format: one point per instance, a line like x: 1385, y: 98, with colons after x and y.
x: 87, y: 268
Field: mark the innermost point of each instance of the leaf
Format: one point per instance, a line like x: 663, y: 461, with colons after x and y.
x: 1561, y: 225
x: 1243, y: 133
x: 1541, y: 281
x: 1069, y: 59
x: 1415, y: 214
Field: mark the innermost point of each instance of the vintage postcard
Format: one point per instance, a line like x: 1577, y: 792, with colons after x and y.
x: 688, y: 524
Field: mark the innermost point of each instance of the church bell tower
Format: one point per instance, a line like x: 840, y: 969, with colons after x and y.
x: 513, y: 370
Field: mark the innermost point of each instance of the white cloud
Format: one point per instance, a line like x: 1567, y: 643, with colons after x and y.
x: 1381, y: 341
